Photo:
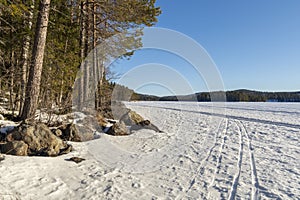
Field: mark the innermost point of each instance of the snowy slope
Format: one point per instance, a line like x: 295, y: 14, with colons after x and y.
x: 250, y: 152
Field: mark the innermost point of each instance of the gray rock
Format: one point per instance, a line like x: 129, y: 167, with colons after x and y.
x: 18, y: 148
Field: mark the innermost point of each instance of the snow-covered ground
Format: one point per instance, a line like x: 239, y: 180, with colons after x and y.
x: 251, y: 151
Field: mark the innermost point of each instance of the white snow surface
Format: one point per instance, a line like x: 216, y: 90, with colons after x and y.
x: 250, y: 152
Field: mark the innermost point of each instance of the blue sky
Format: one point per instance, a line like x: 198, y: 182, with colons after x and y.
x: 254, y: 44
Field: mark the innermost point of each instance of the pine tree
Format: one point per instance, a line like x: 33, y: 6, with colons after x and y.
x: 36, y: 67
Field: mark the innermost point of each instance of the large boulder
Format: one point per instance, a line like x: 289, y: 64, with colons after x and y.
x: 40, y: 140
x: 18, y: 148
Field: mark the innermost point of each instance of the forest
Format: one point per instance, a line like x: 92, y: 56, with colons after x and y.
x: 44, y: 45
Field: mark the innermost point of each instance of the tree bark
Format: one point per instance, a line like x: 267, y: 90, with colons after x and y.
x: 34, y: 79
x: 28, y: 17
x: 86, y: 74
x: 82, y: 55
x: 11, y: 85
x: 95, y: 62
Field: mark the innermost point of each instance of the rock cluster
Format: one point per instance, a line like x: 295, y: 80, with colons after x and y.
x: 34, y: 139
x: 37, y: 139
x: 128, y: 121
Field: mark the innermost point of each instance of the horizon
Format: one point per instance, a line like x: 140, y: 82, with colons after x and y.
x: 222, y: 91
x: 258, y: 52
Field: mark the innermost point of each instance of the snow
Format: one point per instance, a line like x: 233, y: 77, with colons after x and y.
x: 248, y: 151
x: 7, y: 126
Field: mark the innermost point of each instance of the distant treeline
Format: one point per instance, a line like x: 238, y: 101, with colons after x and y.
x: 231, y: 96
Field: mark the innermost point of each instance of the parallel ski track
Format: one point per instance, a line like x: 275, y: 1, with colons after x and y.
x: 255, y: 184
x: 234, y: 186
x: 201, y: 168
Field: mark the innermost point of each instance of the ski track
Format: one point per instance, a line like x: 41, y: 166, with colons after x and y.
x: 234, y: 186
x: 201, y: 169
x: 255, y: 184
x: 219, y: 158
x: 229, y: 169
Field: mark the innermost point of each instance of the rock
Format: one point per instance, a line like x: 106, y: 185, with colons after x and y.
x: 131, y: 118
x: 76, y: 159
x: 69, y: 132
x: 146, y: 124
x: 18, y: 148
x: 126, y: 117
x: 66, y: 150
x: 135, y: 185
x: 15, y: 135
x: 101, y: 120
x: 118, y: 129
x: 40, y: 140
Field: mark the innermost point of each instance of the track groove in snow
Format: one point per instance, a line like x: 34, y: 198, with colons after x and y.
x: 201, y: 169
x: 255, y: 185
x: 219, y: 158
x: 239, y: 165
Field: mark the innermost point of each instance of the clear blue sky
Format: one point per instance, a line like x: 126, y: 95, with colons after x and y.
x: 255, y: 44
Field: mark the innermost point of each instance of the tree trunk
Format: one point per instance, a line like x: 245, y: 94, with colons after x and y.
x: 25, y: 54
x: 95, y: 62
x: 34, y: 79
x: 82, y: 54
x: 11, y: 84
x: 86, y: 74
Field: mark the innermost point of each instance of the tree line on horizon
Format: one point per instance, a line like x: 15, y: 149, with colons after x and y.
x: 231, y: 96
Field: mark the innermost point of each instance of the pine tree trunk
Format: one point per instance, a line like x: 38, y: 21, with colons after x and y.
x: 34, y: 79
x: 25, y: 54
x: 86, y: 62
x: 11, y: 84
x: 95, y: 62
x: 82, y: 54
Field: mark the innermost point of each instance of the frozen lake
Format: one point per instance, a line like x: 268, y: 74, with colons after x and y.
x: 248, y: 151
